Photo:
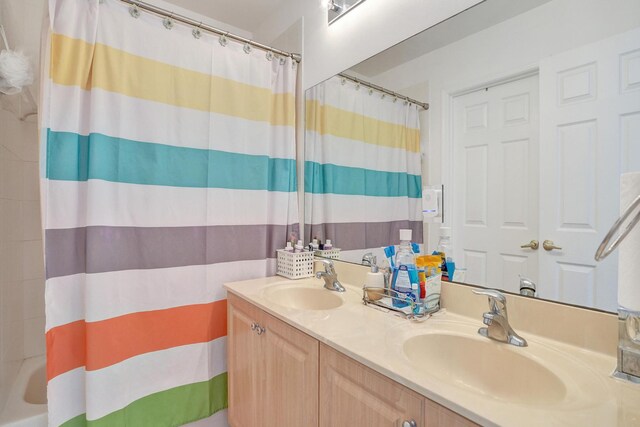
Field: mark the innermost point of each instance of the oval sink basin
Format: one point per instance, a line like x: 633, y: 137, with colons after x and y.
x: 304, y: 297
x: 487, y: 367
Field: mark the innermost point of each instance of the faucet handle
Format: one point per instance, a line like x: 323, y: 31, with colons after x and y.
x: 328, y: 266
x: 491, y: 293
x: 495, y: 297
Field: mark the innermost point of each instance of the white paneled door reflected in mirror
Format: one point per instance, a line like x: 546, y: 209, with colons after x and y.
x: 533, y: 116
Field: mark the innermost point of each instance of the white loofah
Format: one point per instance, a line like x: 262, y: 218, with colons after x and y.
x: 15, y: 72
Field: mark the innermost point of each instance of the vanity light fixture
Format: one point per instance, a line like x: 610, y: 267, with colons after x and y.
x: 338, y: 8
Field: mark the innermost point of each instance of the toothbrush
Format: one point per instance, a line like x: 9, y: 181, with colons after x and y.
x: 390, y: 251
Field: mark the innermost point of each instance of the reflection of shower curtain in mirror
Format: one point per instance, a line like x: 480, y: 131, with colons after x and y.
x: 168, y: 169
x: 362, y: 166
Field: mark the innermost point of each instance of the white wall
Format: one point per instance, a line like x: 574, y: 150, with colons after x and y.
x: 507, y: 48
x: 372, y: 27
x: 199, y: 17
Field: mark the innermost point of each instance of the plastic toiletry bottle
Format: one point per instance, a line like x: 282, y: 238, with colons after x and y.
x: 293, y: 238
x: 415, y: 292
x: 328, y: 245
x: 288, y: 248
x: 422, y: 273
x: 298, y: 247
x: 405, y: 273
x: 445, y: 251
x: 314, y: 244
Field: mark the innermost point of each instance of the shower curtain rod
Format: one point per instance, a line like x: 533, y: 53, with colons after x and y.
x: 198, y: 24
x: 424, y: 105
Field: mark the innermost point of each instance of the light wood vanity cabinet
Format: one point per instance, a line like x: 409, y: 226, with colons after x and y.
x: 353, y: 395
x: 272, y: 369
x: 282, y: 377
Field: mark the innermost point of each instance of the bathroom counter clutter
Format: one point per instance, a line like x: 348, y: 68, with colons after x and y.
x: 444, y: 359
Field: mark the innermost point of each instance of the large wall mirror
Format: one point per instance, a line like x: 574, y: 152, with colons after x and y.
x: 534, y: 113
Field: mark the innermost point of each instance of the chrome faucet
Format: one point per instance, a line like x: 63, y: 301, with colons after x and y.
x: 628, y: 367
x: 497, y: 321
x: 330, y: 277
x: 369, y: 259
x: 527, y: 287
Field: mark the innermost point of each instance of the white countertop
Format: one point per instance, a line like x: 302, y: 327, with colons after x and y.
x: 376, y: 338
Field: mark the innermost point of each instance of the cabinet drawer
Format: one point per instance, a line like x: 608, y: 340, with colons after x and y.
x: 353, y: 395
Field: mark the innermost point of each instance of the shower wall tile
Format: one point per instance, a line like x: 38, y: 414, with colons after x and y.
x: 32, y: 260
x: 10, y: 219
x: 4, y: 219
x: 21, y: 261
x: 33, y: 298
x: 10, y: 175
x: 30, y: 184
x: 30, y: 151
x: 13, y: 341
x: 12, y: 302
x: 15, y: 220
x: 30, y: 213
x: 16, y: 134
x: 11, y: 256
x: 34, y: 341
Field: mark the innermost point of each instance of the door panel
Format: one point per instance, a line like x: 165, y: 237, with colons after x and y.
x: 590, y: 129
x: 291, y: 357
x: 243, y: 363
x: 496, y: 189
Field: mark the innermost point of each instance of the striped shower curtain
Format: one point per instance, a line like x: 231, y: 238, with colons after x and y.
x: 168, y: 168
x: 362, y: 166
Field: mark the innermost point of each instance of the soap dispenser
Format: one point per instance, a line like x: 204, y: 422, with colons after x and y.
x: 375, y: 281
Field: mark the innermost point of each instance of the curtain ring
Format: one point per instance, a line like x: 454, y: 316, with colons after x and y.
x: 269, y: 55
x: 223, y: 39
x: 134, y: 11
x: 196, y: 33
x: 168, y: 22
x: 246, y: 48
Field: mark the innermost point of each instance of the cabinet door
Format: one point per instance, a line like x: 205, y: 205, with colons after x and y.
x: 438, y: 416
x: 291, y: 361
x: 353, y: 395
x: 244, y: 361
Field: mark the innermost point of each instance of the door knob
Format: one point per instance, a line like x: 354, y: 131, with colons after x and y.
x: 548, y: 245
x: 532, y: 244
x: 409, y: 423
